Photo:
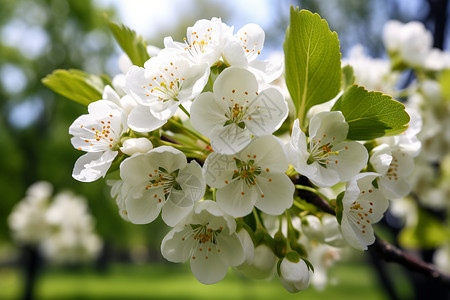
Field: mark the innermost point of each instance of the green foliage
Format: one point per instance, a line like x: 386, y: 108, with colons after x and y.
x: 444, y: 80
x: 131, y: 43
x: 371, y: 115
x: 313, y: 61
x: 428, y: 233
x: 348, y: 77
x: 76, y: 85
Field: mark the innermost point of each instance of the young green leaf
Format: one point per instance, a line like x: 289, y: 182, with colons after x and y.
x: 371, y: 114
x: 76, y: 85
x: 131, y: 43
x: 313, y: 61
x: 348, y: 77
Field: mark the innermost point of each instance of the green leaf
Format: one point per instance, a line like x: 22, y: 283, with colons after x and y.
x: 444, y: 80
x: 428, y: 233
x: 76, y: 85
x: 348, y: 77
x: 371, y: 114
x: 131, y: 43
x: 313, y: 61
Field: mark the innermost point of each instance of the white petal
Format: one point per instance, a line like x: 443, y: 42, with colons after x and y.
x: 236, y: 198
x: 268, y: 111
x: 142, y: 120
x: 381, y: 158
x: 238, y: 80
x: 219, y: 169
x: 231, y: 249
x: 172, y: 214
x: 176, y: 249
x: 354, y: 236
x: 233, y: 52
x: 351, y: 159
x: 394, y: 189
x: 146, y: 206
x: 252, y: 36
x: 329, y: 127
x: 208, y: 270
x: 192, y: 183
x: 138, y: 145
x: 93, y: 165
x: 206, y: 113
x: 268, y: 152
x: 135, y: 170
x: 168, y: 157
x: 320, y: 176
x: 229, y: 139
x: 278, y: 191
x: 266, y: 71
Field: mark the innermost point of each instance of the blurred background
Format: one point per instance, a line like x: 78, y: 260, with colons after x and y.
x: 39, y: 36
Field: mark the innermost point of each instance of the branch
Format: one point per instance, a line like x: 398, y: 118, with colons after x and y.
x: 385, y: 251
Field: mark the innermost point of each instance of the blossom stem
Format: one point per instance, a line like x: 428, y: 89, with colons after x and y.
x: 259, y: 224
x: 185, y: 111
x: 312, y: 190
x: 213, y: 194
x: 191, y: 132
x: 290, y: 231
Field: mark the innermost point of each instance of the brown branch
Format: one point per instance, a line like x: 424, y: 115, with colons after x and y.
x: 385, y: 251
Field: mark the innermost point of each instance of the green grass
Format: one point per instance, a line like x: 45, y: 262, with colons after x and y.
x: 156, y: 281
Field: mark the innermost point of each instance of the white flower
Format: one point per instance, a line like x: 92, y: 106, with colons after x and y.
x: 324, y: 230
x: 249, y: 247
x: 27, y: 219
x: 237, y: 110
x: 263, y: 265
x: 207, y: 237
x: 373, y: 73
x: 244, y: 47
x: 119, y: 192
x: 97, y: 133
x: 329, y: 158
x: 394, y: 166
x: 294, y: 275
x: 411, y: 41
x: 161, y: 179
x: 253, y: 177
x: 165, y: 82
x: 363, y: 205
x: 139, y: 145
x: 204, y: 41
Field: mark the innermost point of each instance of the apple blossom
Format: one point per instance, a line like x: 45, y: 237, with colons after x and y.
x: 329, y: 159
x: 362, y: 206
x: 237, y: 110
x: 252, y: 177
x: 206, y: 237
x: 161, y: 179
x: 97, y: 133
x: 165, y: 82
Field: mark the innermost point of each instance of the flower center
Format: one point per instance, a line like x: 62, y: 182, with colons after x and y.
x: 246, y: 171
x: 323, y: 153
x: 166, y: 85
x: 102, y: 135
x: 164, y: 179
x: 206, y: 239
x: 198, y: 41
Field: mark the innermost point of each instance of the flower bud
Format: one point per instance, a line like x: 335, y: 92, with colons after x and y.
x: 263, y: 265
x: 132, y: 146
x: 294, y: 275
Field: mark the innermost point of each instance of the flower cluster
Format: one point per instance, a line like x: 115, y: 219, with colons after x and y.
x: 62, y: 228
x: 203, y: 134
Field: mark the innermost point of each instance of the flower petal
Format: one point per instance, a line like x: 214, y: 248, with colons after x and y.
x: 141, y: 119
x: 143, y: 206
x: 268, y: 152
x: 229, y: 139
x: 351, y: 159
x: 277, y: 193
x: 206, y: 113
x: 172, y: 214
x: 175, y: 247
x: 328, y: 127
x: 268, y: 111
x: 236, y: 198
x: 93, y: 165
x: 208, y: 269
x: 219, y: 169
x: 231, y: 249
